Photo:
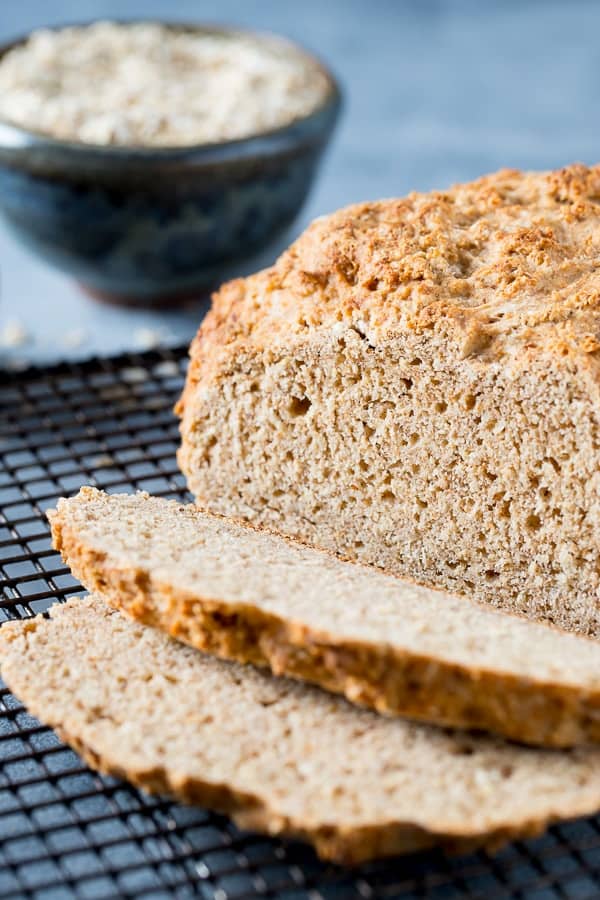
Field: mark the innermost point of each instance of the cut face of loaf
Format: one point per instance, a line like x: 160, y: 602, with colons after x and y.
x: 278, y: 756
x: 415, y: 385
x: 388, y: 644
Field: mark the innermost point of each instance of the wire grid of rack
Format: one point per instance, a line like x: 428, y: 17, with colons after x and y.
x: 66, y: 832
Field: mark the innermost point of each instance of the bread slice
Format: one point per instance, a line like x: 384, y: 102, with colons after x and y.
x: 384, y: 643
x: 415, y: 384
x: 279, y: 756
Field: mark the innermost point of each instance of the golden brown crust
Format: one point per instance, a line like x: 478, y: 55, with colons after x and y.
x: 372, y: 675
x: 503, y: 266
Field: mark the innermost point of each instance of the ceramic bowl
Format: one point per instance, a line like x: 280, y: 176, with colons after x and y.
x: 149, y: 225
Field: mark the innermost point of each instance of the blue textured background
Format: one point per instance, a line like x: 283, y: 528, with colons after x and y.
x: 435, y: 92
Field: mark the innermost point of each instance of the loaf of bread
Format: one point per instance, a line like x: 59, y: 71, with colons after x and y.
x: 416, y: 384
x: 385, y: 643
x: 279, y: 756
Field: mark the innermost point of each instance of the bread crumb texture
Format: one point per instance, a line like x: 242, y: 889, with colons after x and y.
x: 385, y: 643
x: 279, y: 756
x: 414, y: 384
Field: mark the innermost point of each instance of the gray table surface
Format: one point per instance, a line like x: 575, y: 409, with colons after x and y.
x: 435, y: 92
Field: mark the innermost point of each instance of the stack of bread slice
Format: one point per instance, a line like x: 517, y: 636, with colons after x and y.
x: 392, y: 766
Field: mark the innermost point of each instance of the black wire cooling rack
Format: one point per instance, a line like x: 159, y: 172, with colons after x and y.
x: 66, y: 832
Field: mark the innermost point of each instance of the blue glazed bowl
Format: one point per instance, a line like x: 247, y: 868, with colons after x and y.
x: 149, y: 225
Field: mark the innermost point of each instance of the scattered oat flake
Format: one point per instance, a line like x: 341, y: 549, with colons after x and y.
x: 13, y: 334
x: 102, y: 461
x: 74, y: 338
x: 148, y: 338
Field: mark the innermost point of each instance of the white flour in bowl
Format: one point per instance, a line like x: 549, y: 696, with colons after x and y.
x: 145, y: 84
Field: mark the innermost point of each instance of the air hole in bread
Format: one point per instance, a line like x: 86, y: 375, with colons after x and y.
x: 533, y: 522
x: 363, y: 336
x: 299, y: 406
x: 368, y: 430
x: 504, y: 511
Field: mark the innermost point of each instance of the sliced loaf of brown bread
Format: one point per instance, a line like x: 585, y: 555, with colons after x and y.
x: 385, y: 643
x: 415, y: 384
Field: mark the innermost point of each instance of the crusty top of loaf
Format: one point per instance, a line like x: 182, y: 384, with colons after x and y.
x: 504, y: 265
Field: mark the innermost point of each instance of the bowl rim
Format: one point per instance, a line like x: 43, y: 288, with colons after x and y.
x: 16, y: 137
